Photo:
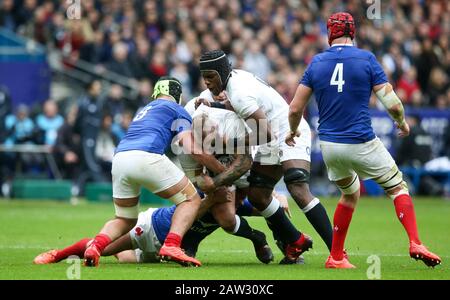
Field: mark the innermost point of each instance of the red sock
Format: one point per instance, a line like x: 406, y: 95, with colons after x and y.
x: 404, y: 208
x: 101, y: 241
x: 342, y: 218
x: 173, y: 240
x: 76, y: 249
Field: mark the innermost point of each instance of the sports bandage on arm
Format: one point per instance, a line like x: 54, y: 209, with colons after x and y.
x: 391, y: 102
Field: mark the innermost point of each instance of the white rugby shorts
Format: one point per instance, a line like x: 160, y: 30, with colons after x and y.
x: 144, y: 239
x: 134, y: 169
x: 276, y: 152
x: 368, y: 160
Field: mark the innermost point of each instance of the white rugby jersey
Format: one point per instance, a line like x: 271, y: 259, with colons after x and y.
x: 247, y: 93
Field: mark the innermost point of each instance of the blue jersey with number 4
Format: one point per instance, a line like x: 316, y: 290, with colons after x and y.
x: 154, y: 127
x: 342, y: 79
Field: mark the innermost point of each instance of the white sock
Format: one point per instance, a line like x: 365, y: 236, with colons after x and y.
x: 311, y: 205
x: 238, y: 224
x: 271, y: 208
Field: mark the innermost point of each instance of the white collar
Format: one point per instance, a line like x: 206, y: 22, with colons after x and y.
x: 340, y: 45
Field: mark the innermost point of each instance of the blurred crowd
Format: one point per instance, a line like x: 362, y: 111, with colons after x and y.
x: 147, y: 39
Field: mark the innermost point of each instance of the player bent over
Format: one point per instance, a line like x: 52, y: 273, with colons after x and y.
x: 342, y: 79
x: 140, y: 161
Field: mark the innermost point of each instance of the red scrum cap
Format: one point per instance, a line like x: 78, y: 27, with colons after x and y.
x: 340, y: 24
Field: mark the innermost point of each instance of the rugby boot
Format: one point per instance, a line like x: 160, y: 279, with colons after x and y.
x: 91, y: 256
x: 331, y: 263
x: 48, y: 257
x: 420, y: 252
x: 176, y: 254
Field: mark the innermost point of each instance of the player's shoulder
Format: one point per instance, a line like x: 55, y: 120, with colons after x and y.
x: 364, y: 53
x: 240, y: 83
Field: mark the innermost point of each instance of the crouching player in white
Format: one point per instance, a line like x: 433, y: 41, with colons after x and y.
x: 140, y: 162
x: 342, y: 79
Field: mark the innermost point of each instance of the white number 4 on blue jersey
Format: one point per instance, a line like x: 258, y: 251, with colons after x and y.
x: 338, y: 77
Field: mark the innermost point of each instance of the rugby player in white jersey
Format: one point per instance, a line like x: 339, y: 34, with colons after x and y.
x: 211, y: 124
x: 265, y: 112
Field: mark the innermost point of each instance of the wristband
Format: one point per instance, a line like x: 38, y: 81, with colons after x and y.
x: 217, y: 105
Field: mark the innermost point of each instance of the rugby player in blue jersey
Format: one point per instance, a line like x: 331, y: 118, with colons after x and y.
x: 139, y: 161
x: 342, y: 79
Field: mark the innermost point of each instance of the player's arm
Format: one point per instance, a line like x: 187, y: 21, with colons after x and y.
x: 186, y: 139
x: 261, y: 132
x: 238, y: 167
x: 296, y: 110
x: 221, y: 195
x: 386, y: 94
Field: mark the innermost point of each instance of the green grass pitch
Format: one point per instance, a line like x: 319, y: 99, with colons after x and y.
x: 31, y: 227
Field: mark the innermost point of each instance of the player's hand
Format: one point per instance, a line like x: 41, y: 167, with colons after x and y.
x: 222, y: 195
x: 283, y: 203
x: 403, y: 129
x: 290, y: 137
x: 200, y: 101
x: 221, y: 97
x: 206, y: 183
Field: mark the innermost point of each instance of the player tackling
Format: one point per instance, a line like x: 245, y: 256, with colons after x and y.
x: 342, y: 79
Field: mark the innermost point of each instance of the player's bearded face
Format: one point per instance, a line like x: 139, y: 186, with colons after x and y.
x: 212, y: 82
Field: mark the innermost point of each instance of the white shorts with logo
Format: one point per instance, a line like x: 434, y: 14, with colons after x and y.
x: 276, y: 152
x: 368, y: 160
x: 134, y: 169
x: 144, y: 239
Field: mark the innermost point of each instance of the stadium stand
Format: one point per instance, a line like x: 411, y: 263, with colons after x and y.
x: 126, y: 45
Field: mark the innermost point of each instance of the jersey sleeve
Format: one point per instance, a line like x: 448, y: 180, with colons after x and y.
x: 307, y: 77
x: 182, y: 122
x: 244, y: 105
x: 378, y: 75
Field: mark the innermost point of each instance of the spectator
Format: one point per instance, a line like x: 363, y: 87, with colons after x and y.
x: 119, y: 64
x: 119, y: 130
x: 87, y: 125
x: 21, y: 130
x: 140, y: 59
x: 114, y: 104
x: 7, y: 18
x: 5, y: 109
x: 49, y: 122
x: 414, y: 150
x: 105, y: 146
x: 408, y: 85
x: 67, y: 148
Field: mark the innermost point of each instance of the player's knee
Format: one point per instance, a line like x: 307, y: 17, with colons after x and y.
x: 351, y: 188
x: 296, y: 176
x: 258, y: 180
x: 392, y: 183
x: 350, y: 199
x: 401, y: 189
x: 188, y: 193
